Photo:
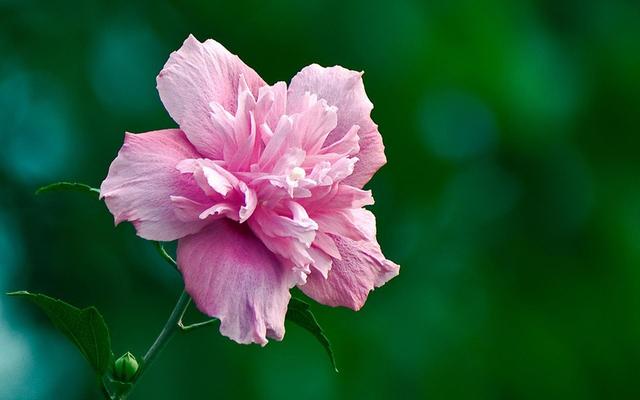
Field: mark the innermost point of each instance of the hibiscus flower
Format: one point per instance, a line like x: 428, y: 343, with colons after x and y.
x: 262, y: 186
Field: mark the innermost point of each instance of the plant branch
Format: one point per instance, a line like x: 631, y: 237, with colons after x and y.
x: 167, y: 332
x: 169, y: 329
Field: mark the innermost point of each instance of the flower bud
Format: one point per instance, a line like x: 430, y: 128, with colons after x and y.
x: 125, y: 367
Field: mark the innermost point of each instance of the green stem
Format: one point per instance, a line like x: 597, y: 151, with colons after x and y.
x: 169, y: 329
x: 167, y: 332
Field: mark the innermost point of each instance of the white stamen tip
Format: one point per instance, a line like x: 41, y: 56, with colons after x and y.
x: 297, y: 173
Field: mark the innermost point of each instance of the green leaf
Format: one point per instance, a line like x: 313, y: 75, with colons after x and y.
x: 69, y: 186
x: 84, y: 327
x: 300, y: 314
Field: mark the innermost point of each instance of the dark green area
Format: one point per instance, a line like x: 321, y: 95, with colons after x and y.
x: 511, y: 198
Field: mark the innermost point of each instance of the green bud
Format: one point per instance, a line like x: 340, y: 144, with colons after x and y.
x: 125, y: 367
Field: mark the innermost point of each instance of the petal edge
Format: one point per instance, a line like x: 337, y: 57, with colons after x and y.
x: 231, y: 276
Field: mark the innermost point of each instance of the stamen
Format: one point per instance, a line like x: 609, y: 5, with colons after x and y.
x: 297, y: 173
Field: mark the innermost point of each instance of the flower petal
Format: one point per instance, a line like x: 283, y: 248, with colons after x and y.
x: 321, y: 261
x: 143, y: 178
x: 231, y: 276
x: 344, y: 89
x: 362, y: 268
x: 287, y: 237
x: 325, y: 243
x: 228, y: 195
x: 344, y: 222
x: 211, y: 178
x: 250, y: 202
x: 186, y: 209
x: 196, y: 75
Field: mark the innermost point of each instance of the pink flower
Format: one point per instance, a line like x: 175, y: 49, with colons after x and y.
x: 261, y: 184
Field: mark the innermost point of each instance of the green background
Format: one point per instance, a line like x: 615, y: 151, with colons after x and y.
x: 510, y: 199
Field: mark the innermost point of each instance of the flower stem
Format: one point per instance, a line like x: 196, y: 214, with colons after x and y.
x: 169, y: 329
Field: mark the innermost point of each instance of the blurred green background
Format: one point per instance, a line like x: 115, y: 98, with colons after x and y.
x: 511, y: 198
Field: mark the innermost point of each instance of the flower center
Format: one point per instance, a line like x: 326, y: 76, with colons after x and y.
x: 296, y: 174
